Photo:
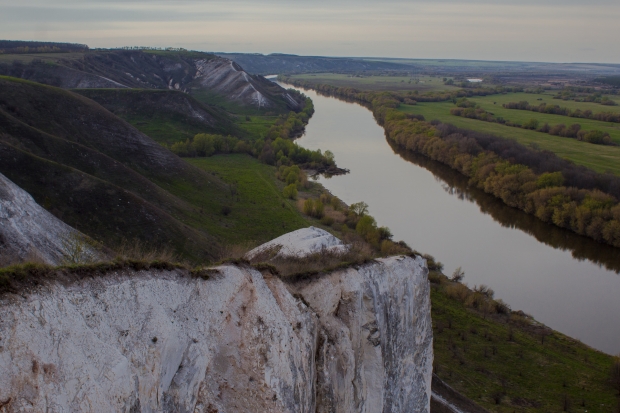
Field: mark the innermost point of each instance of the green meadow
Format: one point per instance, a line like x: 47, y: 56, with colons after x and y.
x: 597, y: 157
x: 259, y: 211
x: 376, y: 83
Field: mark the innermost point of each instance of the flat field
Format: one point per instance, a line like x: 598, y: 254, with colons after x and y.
x: 598, y: 157
x: 376, y: 83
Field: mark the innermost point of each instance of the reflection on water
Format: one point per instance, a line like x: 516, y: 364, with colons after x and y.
x: 454, y: 183
x: 566, y: 281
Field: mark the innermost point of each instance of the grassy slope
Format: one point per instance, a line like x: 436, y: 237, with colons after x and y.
x: 530, y: 376
x: 164, y: 115
x: 260, y: 120
x: 259, y: 211
x: 102, y: 151
x: 597, y: 157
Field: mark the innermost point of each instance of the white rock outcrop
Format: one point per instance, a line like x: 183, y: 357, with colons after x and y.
x: 355, y: 340
x: 28, y: 231
x: 300, y: 243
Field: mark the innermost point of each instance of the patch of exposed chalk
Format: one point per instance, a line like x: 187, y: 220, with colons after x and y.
x: 301, y: 243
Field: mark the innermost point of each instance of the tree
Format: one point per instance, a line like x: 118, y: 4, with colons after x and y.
x: 458, y: 275
x: 366, y: 225
x: 359, y: 208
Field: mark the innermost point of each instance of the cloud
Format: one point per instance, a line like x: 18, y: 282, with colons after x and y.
x: 553, y: 30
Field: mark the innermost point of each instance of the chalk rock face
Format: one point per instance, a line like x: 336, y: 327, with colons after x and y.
x: 299, y: 243
x: 228, y: 78
x: 355, y: 340
x: 27, y: 230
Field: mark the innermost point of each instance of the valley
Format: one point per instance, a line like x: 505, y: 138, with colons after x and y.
x: 157, y: 170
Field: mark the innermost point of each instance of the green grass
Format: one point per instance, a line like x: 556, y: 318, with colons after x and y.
x: 547, y: 98
x: 597, y: 157
x: 257, y: 126
x: 164, y: 115
x: 476, y: 356
x: 259, y: 211
x: 46, y: 57
x: 376, y: 83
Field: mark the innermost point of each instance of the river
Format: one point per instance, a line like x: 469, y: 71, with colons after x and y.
x: 565, y: 281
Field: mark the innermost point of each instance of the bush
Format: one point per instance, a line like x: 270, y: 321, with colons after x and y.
x: 457, y: 275
x: 290, y: 191
x: 319, y: 209
x: 308, y: 207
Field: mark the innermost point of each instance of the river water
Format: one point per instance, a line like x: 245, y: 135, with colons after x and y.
x: 565, y: 281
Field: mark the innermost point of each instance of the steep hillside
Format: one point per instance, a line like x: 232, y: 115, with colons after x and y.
x: 164, y: 115
x: 192, y: 72
x: 30, y: 233
x: 227, y: 78
x: 102, y: 176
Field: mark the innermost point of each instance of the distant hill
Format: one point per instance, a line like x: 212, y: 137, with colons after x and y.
x: 277, y: 63
x: 191, y: 72
x: 165, y: 115
x: 102, y: 176
x: 19, y: 46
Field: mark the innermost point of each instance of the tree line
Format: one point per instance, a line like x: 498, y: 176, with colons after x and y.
x: 571, y: 93
x: 409, y: 97
x: 21, y: 47
x: 274, y: 149
x: 538, y: 182
x: 563, y: 111
x: 469, y: 110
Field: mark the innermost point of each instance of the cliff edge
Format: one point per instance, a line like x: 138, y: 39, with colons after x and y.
x: 352, y: 340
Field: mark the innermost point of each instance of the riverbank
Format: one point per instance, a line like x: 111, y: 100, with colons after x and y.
x: 539, y: 183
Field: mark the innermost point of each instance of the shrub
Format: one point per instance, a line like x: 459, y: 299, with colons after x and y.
x: 366, y: 225
x: 458, y: 275
x: 290, y: 191
x: 308, y: 207
x: 458, y: 292
x: 319, y: 209
x: 531, y: 124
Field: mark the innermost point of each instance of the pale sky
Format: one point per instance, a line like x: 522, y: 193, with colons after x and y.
x: 528, y: 30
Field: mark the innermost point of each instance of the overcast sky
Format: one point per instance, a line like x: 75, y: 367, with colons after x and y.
x: 543, y: 30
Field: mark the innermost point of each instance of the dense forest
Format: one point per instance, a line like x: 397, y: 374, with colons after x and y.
x: 537, y: 182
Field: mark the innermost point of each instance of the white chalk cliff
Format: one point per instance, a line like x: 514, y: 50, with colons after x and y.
x: 354, y: 340
x: 27, y: 230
